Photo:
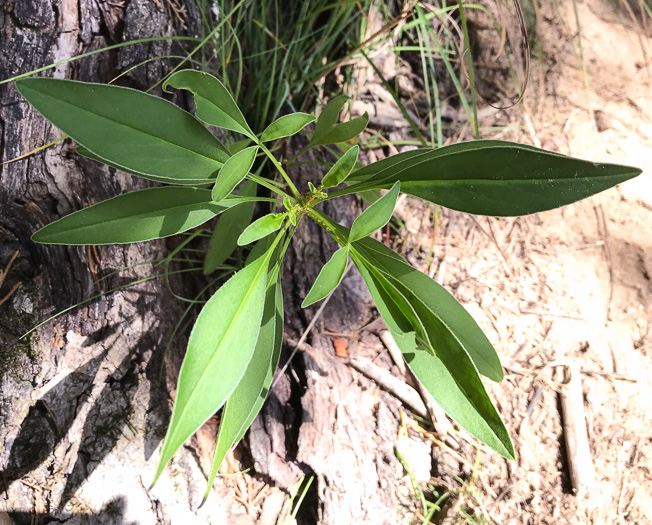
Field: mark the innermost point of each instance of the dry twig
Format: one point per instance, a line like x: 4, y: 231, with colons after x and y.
x: 391, y: 383
x: 580, y: 462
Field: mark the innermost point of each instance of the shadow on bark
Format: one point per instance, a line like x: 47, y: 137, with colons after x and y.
x: 112, y: 512
x: 51, y: 417
x: 45, y: 426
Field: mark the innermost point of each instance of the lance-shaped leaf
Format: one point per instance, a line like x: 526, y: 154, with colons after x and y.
x: 247, y: 399
x: 213, y: 102
x: 234, y: 170
x: 375, y: 216
x: 185, y: 181
x: 344, y: 131
x: 219, y: 350
x: 328, y: 131
x: 329, y: 115
x: 329, y: 277
x: 441, y: 304
x: 131, y: 129
x: 286, y: 126
x: 133, y: 217
x: 448, y: 373
x: 492, y: 177
x: 341, y: 169
x: 435, y: 297
x: 228, y: 228
x: 261, y: 228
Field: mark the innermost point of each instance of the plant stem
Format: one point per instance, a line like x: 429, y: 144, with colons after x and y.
x: 347, y: 191
x: 280, y: 169
x: 267, y: 184
x: 325, y: 223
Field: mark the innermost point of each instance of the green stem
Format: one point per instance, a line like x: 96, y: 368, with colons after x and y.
x: 325, y: 223
x: 90, y: 53
x: 348, y: 190
x: 267, y: 184
x: 277, y: 267
x: 280, y: 169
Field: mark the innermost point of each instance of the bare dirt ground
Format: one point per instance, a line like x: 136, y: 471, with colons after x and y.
x: 570, y: 286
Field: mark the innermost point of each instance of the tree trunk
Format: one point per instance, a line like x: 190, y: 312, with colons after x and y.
x: 83, y: 406
x: 84, y: 399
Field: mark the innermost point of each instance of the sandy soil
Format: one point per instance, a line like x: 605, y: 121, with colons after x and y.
x: 570, y: 286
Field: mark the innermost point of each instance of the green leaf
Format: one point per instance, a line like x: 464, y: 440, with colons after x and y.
x: 344, y: 131
x: 341, y: 169
x: 435, y: 297
x: 239, y: 145
x: 131, y: 129
x: 219, y: 350
x: 329, y: 277
x: 492, y: 177
x: 448, y: 373
x: 329, y: 115
x: 247, y: 399
x: 133, y: 217
x: 228, y: 228
x: 428, y: 293
x: 213, y: 102
x: 84, y: 152
x: 327, y: 131
x: 286, y: 126
x: 375, y: 216
x: 261, y: 228
x: 260, y: 246
x: 234, y: 170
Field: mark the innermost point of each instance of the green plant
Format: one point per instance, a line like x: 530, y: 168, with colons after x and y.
x: 234, y: 346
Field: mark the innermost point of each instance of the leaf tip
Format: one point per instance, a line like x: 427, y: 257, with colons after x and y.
x: 306, y: 302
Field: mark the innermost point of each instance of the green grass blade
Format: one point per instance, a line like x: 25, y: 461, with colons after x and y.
x: 413, y: 125
x: 469, y: 65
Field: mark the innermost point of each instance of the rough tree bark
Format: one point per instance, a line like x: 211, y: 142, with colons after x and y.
x: 82, y: 405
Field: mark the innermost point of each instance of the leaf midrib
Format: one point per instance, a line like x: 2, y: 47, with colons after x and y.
x: 130, y: 217
x: 376, y: 179
x: 470, y: 399
x: 224, y: 336
x: 407, y: 185
x: 121, y: 124
x: 441, y: 320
